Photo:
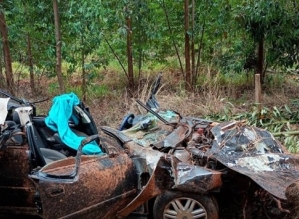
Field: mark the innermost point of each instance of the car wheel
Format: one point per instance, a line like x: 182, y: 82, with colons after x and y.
x: 173, y: 204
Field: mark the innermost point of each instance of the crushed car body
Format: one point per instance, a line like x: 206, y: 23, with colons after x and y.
x: 157, y: 165
x: 255, y: 153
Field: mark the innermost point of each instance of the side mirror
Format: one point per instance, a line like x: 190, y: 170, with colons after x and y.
x: 69, y: 178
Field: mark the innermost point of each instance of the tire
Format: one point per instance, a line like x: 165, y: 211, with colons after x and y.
x: 172, y: 204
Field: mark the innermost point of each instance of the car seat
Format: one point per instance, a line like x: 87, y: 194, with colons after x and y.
x: 40, y: 154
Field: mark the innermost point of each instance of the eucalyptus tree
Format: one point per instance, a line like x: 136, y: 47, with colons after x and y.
x: 58, y: 46
x: 188, y: 78
x: 136, y: 32
x: 2, y: 78
x: 273, y: 25
x: 208, y: 30
x: 6, y: 49
x: 82, y: 33
x: 25, y: 42
x: 31, y: 36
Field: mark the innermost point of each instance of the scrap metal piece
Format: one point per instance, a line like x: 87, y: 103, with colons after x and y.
x: 175, y: 137
x: 159, y: 181
x: 170, y: 173
x: 116, y: 133
x: 167, y: 173
x: 150, y: 131
x: 255, y: 153
x: 150, y: 156
x: 193, y: 178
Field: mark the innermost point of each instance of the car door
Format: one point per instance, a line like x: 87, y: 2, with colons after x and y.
x: 16, y: 188
x: 103, y: 186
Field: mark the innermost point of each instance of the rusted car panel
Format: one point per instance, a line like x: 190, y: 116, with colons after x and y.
x: 186, y: 176
x: 171, y: 174
x: 159, y: 181
x: 166, y: 170
x: 105, y: 184
x: 16, y: 188
x: 192, y: 178
x: 255, y: 153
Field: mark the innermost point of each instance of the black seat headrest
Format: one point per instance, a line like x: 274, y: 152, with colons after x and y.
x: 16, y: 118
x: 10, y: 123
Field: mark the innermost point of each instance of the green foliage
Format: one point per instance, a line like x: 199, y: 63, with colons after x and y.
x: 93, y: 90
x: 280, y: 121
x: 96, y: 91
x: 226, y: 80
x: 94, y: 33
x: 276, y: 22
x: 53, y: 88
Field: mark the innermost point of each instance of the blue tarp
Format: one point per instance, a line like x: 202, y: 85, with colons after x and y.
x: 57, y: 120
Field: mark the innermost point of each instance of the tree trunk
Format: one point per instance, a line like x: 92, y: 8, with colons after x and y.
x: 200, y: 48
x: 58, y: 46
x: 193, y: 78
x: 2, y: 83
x: 171, y: 35
x: 260, y: 60
x: 30, y: 64
x: 187, y: 47
x: 83, y: 69
x: 6, y: 52
x: 130, y: 54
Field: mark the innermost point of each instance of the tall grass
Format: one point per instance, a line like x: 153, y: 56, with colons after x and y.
x: 218, y: 95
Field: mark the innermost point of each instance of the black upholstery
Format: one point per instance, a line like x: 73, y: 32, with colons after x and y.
x: 9, y: 123
x: 51, y: 139
x: 51, y: 155
x: 35, y: 143
x: 40, y: 154
x: 39, y: 145
x: 16, y: 118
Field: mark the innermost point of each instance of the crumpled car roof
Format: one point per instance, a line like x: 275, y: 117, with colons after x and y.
x: 255, y: 153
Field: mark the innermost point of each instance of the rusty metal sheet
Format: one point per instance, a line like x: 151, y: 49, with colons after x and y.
x: 178, y: 135
x: 15, y: 185
x: 170, y: 173
x: 150, y: 156
x: 186, y: 176
x: 117, y: 134
x: 167, y: 173
x: 105, y: 185
x: 255, y: 153
x: 192, y: 178
x: 159, y: 181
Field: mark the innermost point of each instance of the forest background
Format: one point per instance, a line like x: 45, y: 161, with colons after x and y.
x: 109, y: 52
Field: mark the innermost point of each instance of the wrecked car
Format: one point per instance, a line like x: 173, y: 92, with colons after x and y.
x: 157, y: 165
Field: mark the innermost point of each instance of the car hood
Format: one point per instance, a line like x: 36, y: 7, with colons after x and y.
x: 255, y: 153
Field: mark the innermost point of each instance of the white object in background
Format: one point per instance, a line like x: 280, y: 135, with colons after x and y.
x: 3, y: 109
x: 24, y: 113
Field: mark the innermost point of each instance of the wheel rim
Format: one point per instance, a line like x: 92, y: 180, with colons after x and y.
x: 184, y: 208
